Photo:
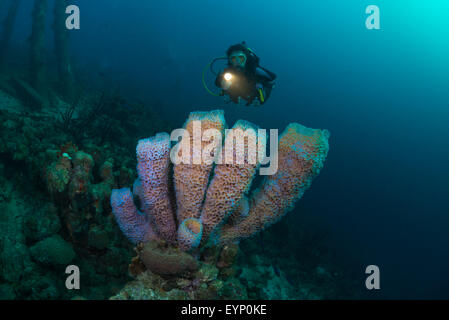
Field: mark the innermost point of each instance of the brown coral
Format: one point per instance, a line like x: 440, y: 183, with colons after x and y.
x: 162, y: 259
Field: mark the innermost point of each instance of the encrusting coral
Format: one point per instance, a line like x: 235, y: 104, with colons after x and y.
x: 215, y: 208
x: 56, y: 182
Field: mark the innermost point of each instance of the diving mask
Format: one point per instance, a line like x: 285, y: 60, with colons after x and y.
x: 238, y: 59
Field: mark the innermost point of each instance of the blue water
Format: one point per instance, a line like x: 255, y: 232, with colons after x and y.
x: 383, y: 95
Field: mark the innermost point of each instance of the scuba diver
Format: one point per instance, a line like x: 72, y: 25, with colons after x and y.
x: 243, y: 80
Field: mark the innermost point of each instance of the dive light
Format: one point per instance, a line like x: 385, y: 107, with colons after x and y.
x: 228, y: 76
x: 227, y: 81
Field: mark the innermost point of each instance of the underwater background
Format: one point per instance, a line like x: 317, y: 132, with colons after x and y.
x: 381, y: 198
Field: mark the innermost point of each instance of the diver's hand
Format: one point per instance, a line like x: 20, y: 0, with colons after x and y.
x: 225, y: 85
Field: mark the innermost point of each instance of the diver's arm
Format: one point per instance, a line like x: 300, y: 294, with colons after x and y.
x: 224, y: 86
x: 268, y: 89
x: 265, y: 79
x: 263, y: 89
x: 265, y: 74
x: 218, y: 80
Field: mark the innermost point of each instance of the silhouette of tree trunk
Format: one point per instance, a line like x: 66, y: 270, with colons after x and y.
x: 37, y: 46
x: 62, y: 49
x: 8, y: 26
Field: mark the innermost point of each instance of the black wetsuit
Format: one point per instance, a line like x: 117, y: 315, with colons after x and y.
x: 245, y: 83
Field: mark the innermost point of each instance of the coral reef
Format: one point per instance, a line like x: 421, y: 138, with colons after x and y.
x: 53, y: 250
x: 54, y: 197
x: 203, y: 208
x: 66, y: 156
x: 66, y: 165
x: 173, y: 274
x: 165, y: 260
x: 211, y: 205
